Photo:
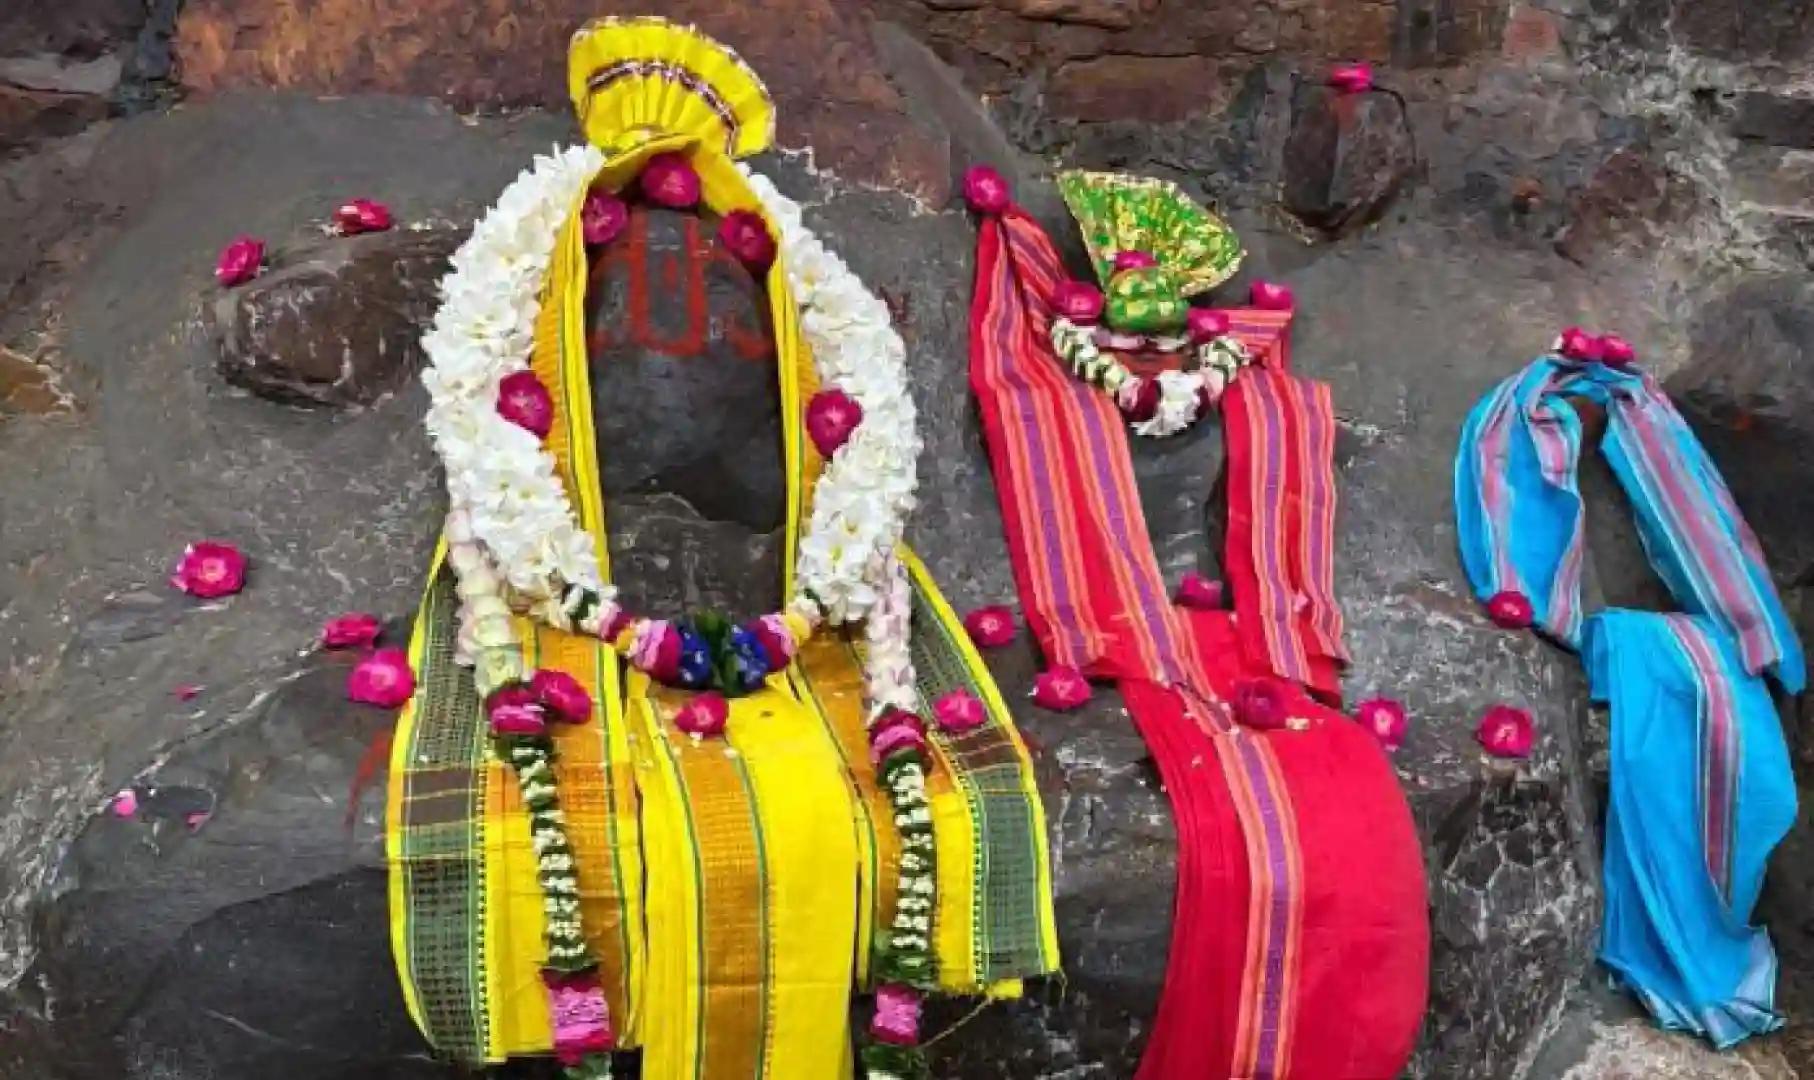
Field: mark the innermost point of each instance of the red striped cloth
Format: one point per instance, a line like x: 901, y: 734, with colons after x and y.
x: 1300, y: 943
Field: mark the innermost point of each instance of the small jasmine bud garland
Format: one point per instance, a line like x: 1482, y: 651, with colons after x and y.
x: 516, y: 547
x: 1184, y: 396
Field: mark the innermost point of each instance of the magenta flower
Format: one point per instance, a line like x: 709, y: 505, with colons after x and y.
x: 602, y: 217
x: 1138, y: 399
x: 1060, y: 688
x: 525, y: 402
x: 579, y: 1015
x: 705, y: 716
x: 1507, y: 732
x: 1386, y: 719
x: 354, y: 630
x: 125, y: 804
x: 1271, y: 296
x: 831, y: 417
x: 1207, y: 324
x: 383, y: 678
x: 958, y: 712
x: 894, y: 732
x: 745, y: 235
x: 1577, y: 344
x: 561, y: 695
x: 210, y: 569
x: 985, y: 190
x: 1133, y: 260
x: 1078, y: 301
x: 1197, y: 591
x: 670, y: 180
x: 991, y: 627
x: 239, y: 261
x: 1616, y: 350
x: 186, y: 691
x: 1262, y: 702
x: 1351, y: 78
x: 517, y: 719
x: 1510, y: 610
x: 361, y: 216
x: 897, y: 1015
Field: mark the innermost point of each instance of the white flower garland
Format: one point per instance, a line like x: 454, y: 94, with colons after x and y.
x: 1218, y: 361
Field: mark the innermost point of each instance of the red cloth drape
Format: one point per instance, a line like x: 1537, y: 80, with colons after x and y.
x: 1300, y: 940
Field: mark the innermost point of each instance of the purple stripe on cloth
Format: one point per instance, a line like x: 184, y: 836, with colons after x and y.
x: 1319, y: 519
x: 1495, y: 438
x: 1277, y: 590
x: 1278, y: 915
x: 1718, y: 752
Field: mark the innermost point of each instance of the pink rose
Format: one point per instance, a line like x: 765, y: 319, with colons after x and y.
x: 1133, y: 260
x: 704, y: 716
x: 897, y: 1016
x: 1197, y: 591
x: 1577, y: 344
x: 1078, y: 301
x: 669, y: 180
x: 958, y: 712
x: 831, y: 417
x: 1351, y: 78
x: 1616, y: 350
x: 525, y: 402
x: 602, y: 217
x: 561, y: 695
x: 1386, y: 719
x: 1262, y: 702
x: 1510, y: 610
x: 383, y: 678
x: 990, y: 627
x: 745, y: 235
x: 1507, y: 732
x: 355, y: 630
x: 1271, y: 296
x: 239, y: 261
x: 985, y: 190
x: 1207, y: 324
x: 1060, y: 688
x: 210, y: 569
x: 1138, y: 399
x: 894, y: 732
x: 361, y: 216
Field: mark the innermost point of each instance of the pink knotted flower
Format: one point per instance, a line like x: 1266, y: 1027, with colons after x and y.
x: 1133, y: 260
x: 125, y: 804
x: 1138, y: 399
x: 1262, y: 702
x: 383, y: 678
x: 1199, y: 592
x: 745, y: 235
x: 525, y: 402
x: 579, y: 1015
x: 831, y: 417
x: 1206, y: 324
x: 1078, y: 301
x: 210, y: 569
x: 1507, y: 732
x: 1272, y: 296
x: 655, y: 649
x: 361, y: 216
x: 1351, y: 78
x: 603, y: 217
x: 1510, y: 610
x: 705, y: 716
x: 561, y: 695
x: 777, y: 640
x: 1386, y: 719
x: 897, y: 730
x: 1577, y: 344
x: 1060, y: 688
x: 985, y: 190
x: 670, y: 180
x: 990, y: 627
x: 958, y: 712
x: 897, y: 1015
x: 239, y: 261
x: 354, y: 630
x: 1616, y: 351
x: 512, y: 717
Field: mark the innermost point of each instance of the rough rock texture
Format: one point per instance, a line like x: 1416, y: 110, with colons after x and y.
x: 1346, y: 158
x: 335, y: 320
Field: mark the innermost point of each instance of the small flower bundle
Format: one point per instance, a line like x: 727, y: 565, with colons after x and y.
x: 1510, y: 610
x: 990, y: 627
x: 357, y: 216
x: 1386, y: 719
x: 1506, y: 731
x: 904, y: 962
x: 1575, y: 343
x: 744, y: 234
x: 1200, y: 593
x: 210, y: 569
x: 959, y: 711
x: 240, y: 261
x: 1060, y: 688
x: 354, y: 630
x: 383, y: 679
x: 603, y: 218
x: 1262, y: 703
x: 986, y: 191
x: 1351, y: 78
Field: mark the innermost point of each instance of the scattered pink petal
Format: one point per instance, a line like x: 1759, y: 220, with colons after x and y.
x: 745, y: 235
x: 361, y: 216
x: 1616, y: 350
x: 125, y: 804
x: 354, y: 630
x: 1351, y: 78
x: 704, y: 716
x: 525, y: 402
x: 210, y: 569
x: 1199, y: 592
x: 1078, y: 301
x: 186, y: 691
x: 603, y: 217
x: 670, y: 180
x: 958, y: 712
x: 562, y: 695
x: 1386, y: 719
x: 1207, y: 324
x: 991, y: 627
x: 1510, y: 610
x: 384, y: 678
x: 897, y: 1015
x: 1507, y: 732
x: 1262, y: 702
x: 985, y: 190
x: 239, y: 261
x: 1272, y: 296
x: 1133, y: 260
x: 831, y: 417
x: 1060, y: 688
x: 1138, y: 399
x: 1577, y: 344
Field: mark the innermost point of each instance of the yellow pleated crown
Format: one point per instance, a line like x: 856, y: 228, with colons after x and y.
x: 636, y: 79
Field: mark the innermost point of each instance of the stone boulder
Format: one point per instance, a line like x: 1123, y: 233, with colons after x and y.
x: 1347, y: 157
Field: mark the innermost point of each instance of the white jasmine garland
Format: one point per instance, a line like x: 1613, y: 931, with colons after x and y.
x: 1217, y: 362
